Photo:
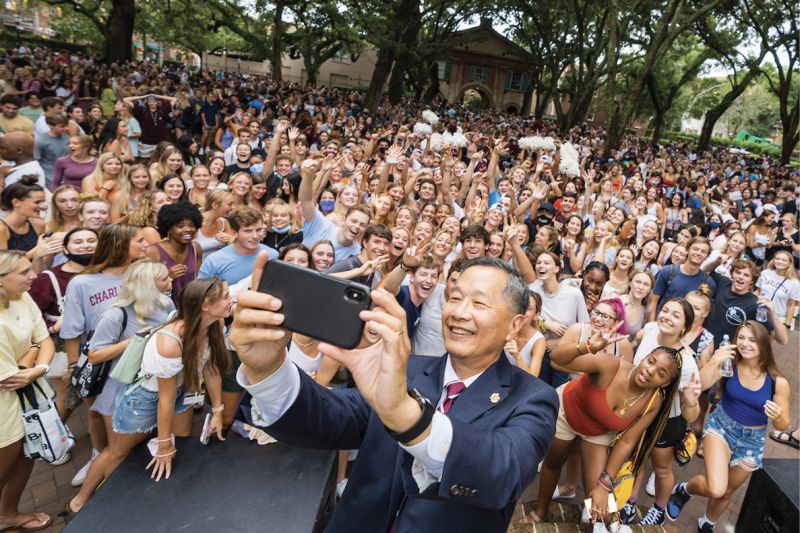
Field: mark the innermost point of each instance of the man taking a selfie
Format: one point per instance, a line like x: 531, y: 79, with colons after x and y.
x: 445, y: 444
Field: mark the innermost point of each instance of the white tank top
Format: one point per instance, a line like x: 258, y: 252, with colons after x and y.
x: 303, y: 361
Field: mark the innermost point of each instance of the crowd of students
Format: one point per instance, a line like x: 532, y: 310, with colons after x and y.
x: 129, y: 192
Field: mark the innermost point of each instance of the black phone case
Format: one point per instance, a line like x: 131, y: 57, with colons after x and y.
x: 315, y: 304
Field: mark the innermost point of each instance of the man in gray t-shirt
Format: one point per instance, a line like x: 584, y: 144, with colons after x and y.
x: 51, y: 146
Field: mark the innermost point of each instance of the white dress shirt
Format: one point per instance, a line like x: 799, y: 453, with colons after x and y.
x: 273, y: 396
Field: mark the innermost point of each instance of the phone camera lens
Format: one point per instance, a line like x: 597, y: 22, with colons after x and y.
x: 355, y: 295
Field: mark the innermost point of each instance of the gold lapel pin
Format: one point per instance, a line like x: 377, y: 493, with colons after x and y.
x: 495, y: 397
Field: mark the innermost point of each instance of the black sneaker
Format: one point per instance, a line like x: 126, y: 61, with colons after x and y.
x: 705, y: 528
x: 677, y: 500
x: 654, y: 517
x: 627, y: 513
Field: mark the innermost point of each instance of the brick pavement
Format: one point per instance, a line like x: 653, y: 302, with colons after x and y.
x: 49, y: 487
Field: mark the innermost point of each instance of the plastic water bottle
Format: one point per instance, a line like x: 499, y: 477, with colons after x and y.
x: 761, y: 312
x: 726, y: 368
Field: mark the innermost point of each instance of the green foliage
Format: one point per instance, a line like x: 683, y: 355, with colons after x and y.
x: 752, y: 147
x: 11, y: 39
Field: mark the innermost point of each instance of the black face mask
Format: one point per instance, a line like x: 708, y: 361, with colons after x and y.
x: 543, y: 220
x: 81, y: 259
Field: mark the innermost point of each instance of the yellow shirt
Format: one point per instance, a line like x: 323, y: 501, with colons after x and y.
x: 20, y: 326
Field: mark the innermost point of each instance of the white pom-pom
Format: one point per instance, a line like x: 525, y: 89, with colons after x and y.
x: 570, y: 167
x: 436, y: 142
x: 548, y: 144
x: 422, y: 129
x: 430, y: 117
x: 568, y: 151
x: 459, y: 140
x: 526, y: 143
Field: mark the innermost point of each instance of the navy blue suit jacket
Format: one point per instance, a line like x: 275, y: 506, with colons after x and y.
x: 494, y: 454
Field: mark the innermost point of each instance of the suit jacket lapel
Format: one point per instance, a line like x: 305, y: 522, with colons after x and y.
x: 429, y: 381
x: 486, y: 392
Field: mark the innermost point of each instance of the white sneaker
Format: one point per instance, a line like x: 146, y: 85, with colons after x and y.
x: 63, y: 460
x: 340, y: 486
x: 650, y: 489
x: 80, y: 476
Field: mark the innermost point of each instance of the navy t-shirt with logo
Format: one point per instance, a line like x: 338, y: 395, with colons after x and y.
x: 730, y: 310
x: 413, y: 312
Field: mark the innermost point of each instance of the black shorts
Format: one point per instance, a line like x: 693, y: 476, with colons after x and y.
x: 674, y: 431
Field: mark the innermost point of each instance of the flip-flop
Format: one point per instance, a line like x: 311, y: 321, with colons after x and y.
x: 568, y: 496
x: 785, y: 437
x: 20, y: 528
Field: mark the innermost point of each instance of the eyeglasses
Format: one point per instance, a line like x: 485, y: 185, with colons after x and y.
x: 602, y: 315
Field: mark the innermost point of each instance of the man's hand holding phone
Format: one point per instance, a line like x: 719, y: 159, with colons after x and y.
x: 256, y: 333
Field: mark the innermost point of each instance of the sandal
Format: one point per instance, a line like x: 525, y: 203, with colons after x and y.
x: 566, y: 496
x: 699, y: 453
x: 20, y: 528
x: 785, y: 437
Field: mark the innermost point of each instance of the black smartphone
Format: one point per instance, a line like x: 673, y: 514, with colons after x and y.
x: 320, y: 306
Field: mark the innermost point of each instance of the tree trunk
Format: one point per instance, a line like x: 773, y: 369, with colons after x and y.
x: 119, y: 31
x: 383, y: 66
x: 277, y: 44
x: 614, y: 118
x: 433, y: 87
x: 410, y: 20
x: 713, y: 114
x: 658, y: 126
x: 527, y: 98
x: 312, y: 70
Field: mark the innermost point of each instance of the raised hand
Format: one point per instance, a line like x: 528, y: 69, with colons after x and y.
x: 691, y: 392
x: 600, y: 339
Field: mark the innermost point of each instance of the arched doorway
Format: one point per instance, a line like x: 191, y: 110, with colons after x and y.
x: 477, y: 96
x: 512, y: 109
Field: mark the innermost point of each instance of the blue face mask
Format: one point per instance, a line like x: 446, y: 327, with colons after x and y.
x: 714, y: 224
x: 326, y: 206
x: 281, y: 231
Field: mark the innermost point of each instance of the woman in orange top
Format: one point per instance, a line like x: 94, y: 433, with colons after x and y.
x: 105, y: 179
x: 612, y: 395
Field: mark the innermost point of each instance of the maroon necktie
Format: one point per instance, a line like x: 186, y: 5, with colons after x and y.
x: 453, y: 390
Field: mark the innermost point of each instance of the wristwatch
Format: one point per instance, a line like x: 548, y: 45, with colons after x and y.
x: 424, y: 421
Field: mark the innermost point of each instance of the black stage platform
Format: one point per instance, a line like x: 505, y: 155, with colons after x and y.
x: 234, y: 485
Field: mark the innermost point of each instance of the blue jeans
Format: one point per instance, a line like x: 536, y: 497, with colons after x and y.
x: 745, y: 443
x: 551, y: 376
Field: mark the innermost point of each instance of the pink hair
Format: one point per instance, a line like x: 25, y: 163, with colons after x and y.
x: 619, y: 308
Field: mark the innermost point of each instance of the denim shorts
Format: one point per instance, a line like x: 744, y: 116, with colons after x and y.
x: 136, y: 409
x: 745, y: 443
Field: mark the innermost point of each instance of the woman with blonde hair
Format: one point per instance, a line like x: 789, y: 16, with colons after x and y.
x: 778, y: 282
x: 619, y: 274
x: 406, y: 217
x: 177, y: 359
x: 284, y: 229
x: 170, y: 162
x: 136, y: 183
x: 636, y: 300
x: 345, y: 199
x: 95, y: 212
x: 65, y: 209
x: 601, y: 246
x: 721, y: 261
x: 124, y: 111
x: 105, y: 178
x: 141, y: 303
x: 239, y: 185
x: 200, y: 179
x: 215, y: 232
x: 26, y: 351
x: 145, y: 214
x: 384, y: 209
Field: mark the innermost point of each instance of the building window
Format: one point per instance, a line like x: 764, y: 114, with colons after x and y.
x: 517, y: 81
x: 341, y: 56
x: 444, y: 69
x: 478, y: 73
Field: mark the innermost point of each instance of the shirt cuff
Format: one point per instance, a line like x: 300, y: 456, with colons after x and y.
x: 431, y: 453
x: 272, y: 396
